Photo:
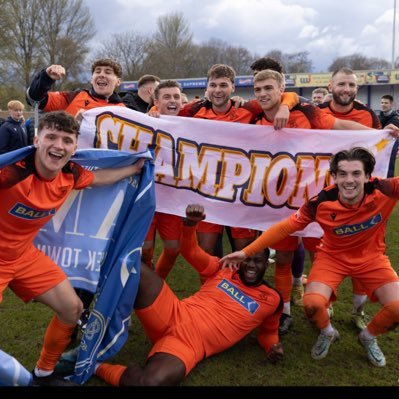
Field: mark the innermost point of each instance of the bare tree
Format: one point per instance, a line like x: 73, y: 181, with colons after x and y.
x: 19, y: 23
x: 216, y: 51
x: 37, y: 33
x: 358, y: 62
x: 293, y: 62
x: 171, y: 47
x: 298, y: 62
x: 66, y: 29
x: 130, y: 49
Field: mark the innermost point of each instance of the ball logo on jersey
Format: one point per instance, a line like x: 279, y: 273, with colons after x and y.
x: 233, y: 292
x: 351, y: 229
x: 25, y: 212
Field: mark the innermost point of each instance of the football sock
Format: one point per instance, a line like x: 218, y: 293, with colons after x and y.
x: 56, y: 339
x: 283, y: 280
x: 110, y: 373
x: 287, y: 308
x: 329, y: 330
x: 297, y: 281
x: 386, y: 319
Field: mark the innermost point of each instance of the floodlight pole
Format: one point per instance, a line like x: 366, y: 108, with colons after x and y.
x: 393, y: 34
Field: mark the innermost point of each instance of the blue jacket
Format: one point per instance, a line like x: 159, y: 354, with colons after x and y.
x: 12, y: 135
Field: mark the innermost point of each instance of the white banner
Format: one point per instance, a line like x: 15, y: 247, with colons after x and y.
x: 244, y: 175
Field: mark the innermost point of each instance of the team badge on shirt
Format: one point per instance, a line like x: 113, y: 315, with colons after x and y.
x: 25, y: 212
x: 350, y: 229
x: 233, y: 292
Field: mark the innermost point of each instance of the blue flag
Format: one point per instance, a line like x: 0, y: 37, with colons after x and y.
x: 80, y: 234
x: 14, y: 156
x: 107, y: 327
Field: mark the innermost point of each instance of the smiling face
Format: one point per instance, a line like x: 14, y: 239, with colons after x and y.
x: 54, y: 149
x: 350, y: 179
x: 218, y: 92
x: 268, y: 94
x: 343, y: 88
x: 169, y: 101
x: 104, y: 80
x: 252, y: 269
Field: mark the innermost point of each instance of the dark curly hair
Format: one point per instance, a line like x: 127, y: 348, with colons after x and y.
x: 354, y: 154
x: 59, y: 120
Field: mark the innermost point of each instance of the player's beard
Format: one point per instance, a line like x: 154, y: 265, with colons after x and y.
x: 338, y: 100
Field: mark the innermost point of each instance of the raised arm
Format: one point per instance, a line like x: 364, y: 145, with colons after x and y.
x: 204, y: 263
x: 41, y: 84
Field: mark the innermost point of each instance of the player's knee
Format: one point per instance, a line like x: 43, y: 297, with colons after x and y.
x: 171, y: 252
x: 313, y: 303
x: 72, y: 311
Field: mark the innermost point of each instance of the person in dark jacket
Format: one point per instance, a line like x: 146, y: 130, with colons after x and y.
x: 13, y: 132
x: 388, y: 114
x: 142, y: 101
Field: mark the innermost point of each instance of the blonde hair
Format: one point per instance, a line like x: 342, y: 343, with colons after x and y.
x: 270, y: 74
x: 15, y: 104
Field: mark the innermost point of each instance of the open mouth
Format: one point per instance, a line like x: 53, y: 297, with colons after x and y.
x: 101, y: 83
x: 55, y: 155
x: 250, y: 274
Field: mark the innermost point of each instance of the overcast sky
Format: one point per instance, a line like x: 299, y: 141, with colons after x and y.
x: 326, y: 29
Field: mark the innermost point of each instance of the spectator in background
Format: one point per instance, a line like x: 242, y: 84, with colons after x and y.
x: 142, y: 101
x: 388, y: 114
x: 184, y: 99
x: 13, y: 132
x: 318, y: 95
x: 30, y: 129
